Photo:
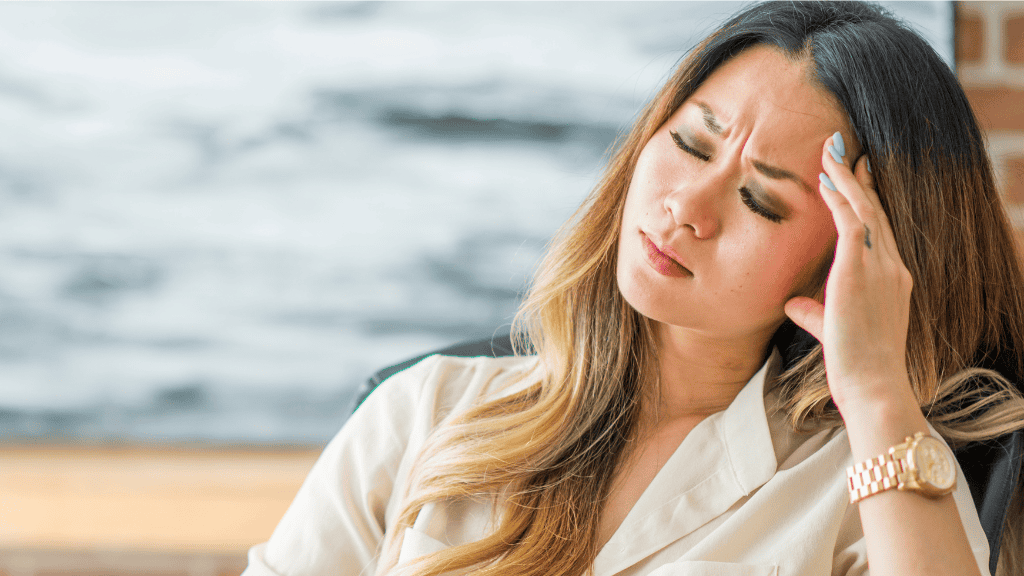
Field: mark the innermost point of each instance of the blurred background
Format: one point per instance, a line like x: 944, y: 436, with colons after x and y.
x: 217, y: 219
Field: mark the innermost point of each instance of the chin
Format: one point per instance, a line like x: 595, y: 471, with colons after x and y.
x: 650, y: 300
x: 664, y: 307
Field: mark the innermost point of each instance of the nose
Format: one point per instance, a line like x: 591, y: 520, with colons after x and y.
x: 695, y: 206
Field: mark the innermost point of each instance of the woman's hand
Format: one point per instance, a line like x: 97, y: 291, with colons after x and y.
x: 862, y: 327
x: 863, y: 322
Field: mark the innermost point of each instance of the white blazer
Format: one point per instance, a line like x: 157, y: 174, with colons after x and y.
x: 742, y: 495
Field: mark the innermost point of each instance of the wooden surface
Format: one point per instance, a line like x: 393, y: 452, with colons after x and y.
x: 145, y: 499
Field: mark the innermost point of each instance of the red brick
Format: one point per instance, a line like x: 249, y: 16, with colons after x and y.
x: 970, y: 37
x: 998, y: 108
x: 1013, y: 40
x: 1014, y: 181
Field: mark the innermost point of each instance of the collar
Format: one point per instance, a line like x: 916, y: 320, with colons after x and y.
x: 748, y: 438
x: 726, y: 457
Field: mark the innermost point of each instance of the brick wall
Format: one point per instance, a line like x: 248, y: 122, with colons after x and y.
x: 990, y: 63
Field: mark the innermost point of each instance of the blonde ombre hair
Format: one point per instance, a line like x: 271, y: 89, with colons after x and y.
x: 548, y: 453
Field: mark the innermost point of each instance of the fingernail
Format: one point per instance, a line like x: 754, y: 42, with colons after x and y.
x: 837, y: 139
x: 867, y: 162
x: 835, y: 154
x: 827, y: 182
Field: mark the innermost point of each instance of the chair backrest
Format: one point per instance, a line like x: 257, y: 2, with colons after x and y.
x: 496, y: 347
x: 992, y: 469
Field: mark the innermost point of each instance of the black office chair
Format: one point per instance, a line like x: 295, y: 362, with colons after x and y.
x: 992, y: 468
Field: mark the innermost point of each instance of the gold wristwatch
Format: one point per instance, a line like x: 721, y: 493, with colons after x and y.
x: 921, y: 463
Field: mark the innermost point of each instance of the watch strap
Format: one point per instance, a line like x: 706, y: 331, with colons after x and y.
x: 874, y: 475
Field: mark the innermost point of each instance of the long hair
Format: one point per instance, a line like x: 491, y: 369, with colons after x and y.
x: 549, y: 452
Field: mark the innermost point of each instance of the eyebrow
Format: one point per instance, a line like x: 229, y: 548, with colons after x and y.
x: 773, y: 172
x: 709, y: 119
x: 776, y: 173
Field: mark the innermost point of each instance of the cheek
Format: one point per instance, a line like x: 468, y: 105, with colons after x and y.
x: 787, y: 265
x: 656, y: 169
x: 634, y: 195
x: 805, y: 258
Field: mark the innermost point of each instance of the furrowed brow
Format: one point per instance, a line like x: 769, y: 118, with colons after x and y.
x: 773, y: 172
x: 709, y: 119
x: 777, y: 173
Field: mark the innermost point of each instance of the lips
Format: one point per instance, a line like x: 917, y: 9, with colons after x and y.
x: 662, y: 262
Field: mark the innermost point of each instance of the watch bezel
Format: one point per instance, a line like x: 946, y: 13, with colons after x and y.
x: 927, y: 481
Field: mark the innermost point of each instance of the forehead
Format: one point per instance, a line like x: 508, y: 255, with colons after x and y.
x: 763, y: 88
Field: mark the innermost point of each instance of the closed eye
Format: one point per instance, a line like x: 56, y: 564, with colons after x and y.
x: 745, y: 195
x: 686, y: 147
x: 757, y: 208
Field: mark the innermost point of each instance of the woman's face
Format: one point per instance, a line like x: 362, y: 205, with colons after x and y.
x: 723, y: 220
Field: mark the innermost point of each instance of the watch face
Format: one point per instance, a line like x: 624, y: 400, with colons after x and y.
x: 934, y: 464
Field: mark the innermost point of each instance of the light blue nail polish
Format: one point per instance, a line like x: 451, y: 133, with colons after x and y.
x: 837, y: 139
x: 827, y: 181
x: 867, y: 162
x: 835, y: 154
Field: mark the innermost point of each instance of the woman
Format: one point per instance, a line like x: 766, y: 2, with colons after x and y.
x: 808, y: 164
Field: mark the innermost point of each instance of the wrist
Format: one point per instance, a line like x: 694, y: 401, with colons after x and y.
x: 871, y: 394
x: 876, y: 422
x: 921, y: 463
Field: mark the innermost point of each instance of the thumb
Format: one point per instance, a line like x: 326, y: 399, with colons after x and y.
x: 806, y: 313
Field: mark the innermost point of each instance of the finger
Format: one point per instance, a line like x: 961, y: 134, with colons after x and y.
x: 848, y: 224
x: 867, y: 181
x: 846, y: 183
x: 862, y: 171
x: 806, y: 313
